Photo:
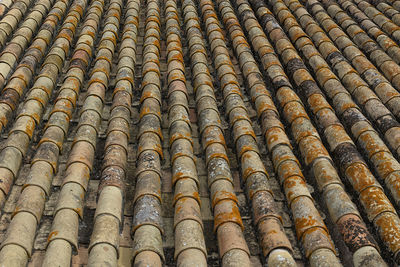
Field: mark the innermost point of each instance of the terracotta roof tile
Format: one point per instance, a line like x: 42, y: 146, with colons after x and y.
x: 199, y: 133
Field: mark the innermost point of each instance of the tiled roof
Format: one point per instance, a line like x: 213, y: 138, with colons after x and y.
x: 199, y: 133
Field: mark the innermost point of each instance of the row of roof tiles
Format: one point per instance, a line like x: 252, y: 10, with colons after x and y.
x: 322, y: 76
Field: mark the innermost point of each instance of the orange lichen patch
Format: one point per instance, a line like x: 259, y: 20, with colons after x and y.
x: 289, y: 168
x: 66, y: 108
x: 275, y: 137
x: 39, y: 98
x: 318, y: 102
x: 385, y: 164
x: 392, y: 182
x: 177, y: 136
x: 249, y: 171
x: 317, y: 238
x: 19, y: 80
x: 159, y: 150
x: 294, y: 110
x: 236, y: 115
x: 361, y: 177
x: 388, y: 227
x: 227, y: 211
x: 245, y: 149
x: 79, y: 211
x: 312, y: 149
x: 280, y: 156
x: 390, y: 68
x: 215, y: 173
x: 375, y: 202
x: 302, y: 127
x: 183, y: 197
x: 371, y: 145
x: 149, y: 94
x: 177, y: 75
x: 272, y: 235
x: 224, y: 195
x: 16, y: 210
x: 51, y: 235
x: 337, y: 135
x: 30, y: 127
x: 361, y: 60
x: 218, y: 155
x: 295, y: 187
x: 264, y: 105
x: 290, y: 183
x: 179, y: 175
x: 243, y: 128
x: 304, y: 223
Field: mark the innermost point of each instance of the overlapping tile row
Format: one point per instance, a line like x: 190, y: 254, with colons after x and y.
x: 342, y: 211
x: 275, y: 244
x: 384, y: 62
x: 285, y: 162
x: 188, y: 225
x: 17, y: 143
x: 377, y: 82
x: 283, y: 104
x: 17, y: 246
x: 228, y: 225
x: 385, y: 165
x: 368, y: 139
x: 63, y: 237
x: 287, y: 166
x: 4, y: 6
x: 24, y: 73
x: 377, y: 206
x: 22, y: 37
x: 385, y: 23
x: 104, y: 242
x: 383, y: 120
x: 394, y: 3
x: 389, y: 11
x: 385, y: 42
x: 147, y: 225
x: 11, y: 19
